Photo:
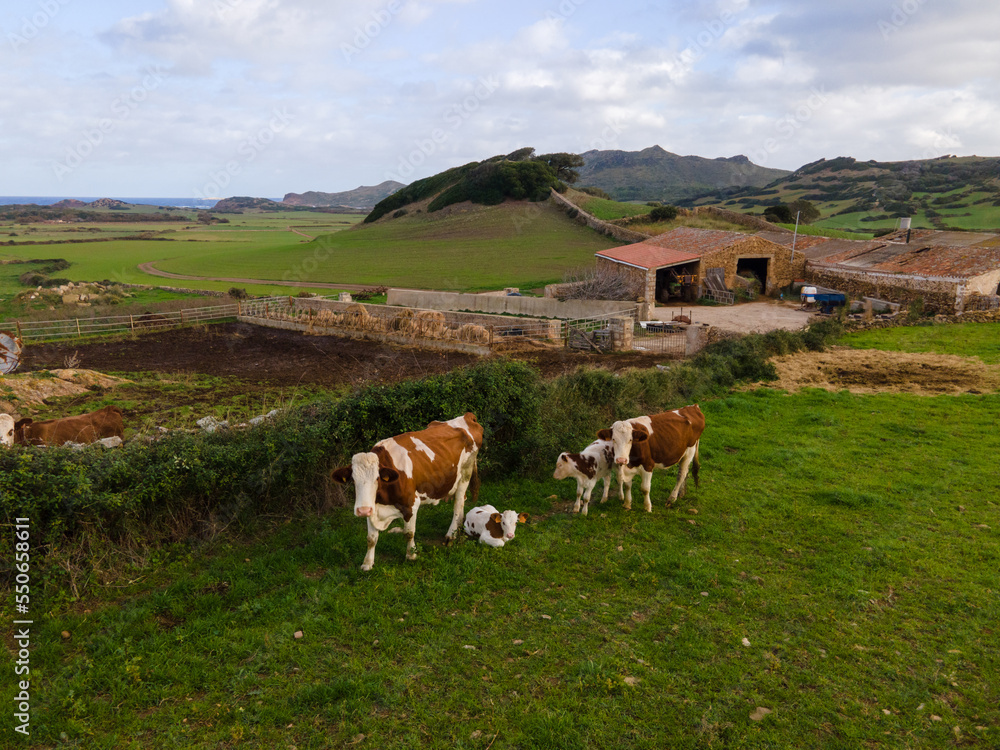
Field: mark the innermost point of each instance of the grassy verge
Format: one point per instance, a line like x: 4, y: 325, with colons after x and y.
x: 963, y: 339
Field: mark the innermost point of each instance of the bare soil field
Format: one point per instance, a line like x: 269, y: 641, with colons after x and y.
x: 874, y: 371
x: 274, y: 357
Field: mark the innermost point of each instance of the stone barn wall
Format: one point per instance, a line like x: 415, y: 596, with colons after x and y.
x: 781, y: 271
x: 941, y: 295
x: 644, y: 279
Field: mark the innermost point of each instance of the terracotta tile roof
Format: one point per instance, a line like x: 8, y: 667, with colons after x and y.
x: 680, y: 245
x: 938, y: 237
x: 919, y: 259
x: 646, y: 255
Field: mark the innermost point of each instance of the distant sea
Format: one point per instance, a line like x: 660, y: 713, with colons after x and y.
x: 6, y: 200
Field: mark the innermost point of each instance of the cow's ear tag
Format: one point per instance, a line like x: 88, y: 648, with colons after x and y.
x: 496, y: 518
x: 342, y: 475
x: 388, y: 475
x: 522, y: 518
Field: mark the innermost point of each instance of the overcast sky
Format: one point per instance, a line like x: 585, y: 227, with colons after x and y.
x: 215, y: 98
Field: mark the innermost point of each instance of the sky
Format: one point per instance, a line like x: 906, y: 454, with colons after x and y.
x: 217, y: 98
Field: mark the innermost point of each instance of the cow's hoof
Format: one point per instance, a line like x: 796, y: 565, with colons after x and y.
x: 411, y: 556
x: 366, y: 568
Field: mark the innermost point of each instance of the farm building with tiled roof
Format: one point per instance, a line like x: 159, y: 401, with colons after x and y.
x: 682, y: 262
x: 946, y: 271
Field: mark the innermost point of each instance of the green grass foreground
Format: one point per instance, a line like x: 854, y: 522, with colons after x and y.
x: 837, y: 567
x: 851, y: 549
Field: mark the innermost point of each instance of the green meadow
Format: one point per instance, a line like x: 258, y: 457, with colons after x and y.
x: 465, y: 248
x: 830, y: 584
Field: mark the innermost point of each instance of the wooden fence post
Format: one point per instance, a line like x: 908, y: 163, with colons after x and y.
x: 79, y: 335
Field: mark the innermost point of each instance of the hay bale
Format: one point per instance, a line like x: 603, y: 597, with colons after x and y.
x: 356, y: 316
x: 473, y: 333
x: 430, y: 323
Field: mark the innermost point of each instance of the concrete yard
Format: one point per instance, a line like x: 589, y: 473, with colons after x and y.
x: 748, y: 317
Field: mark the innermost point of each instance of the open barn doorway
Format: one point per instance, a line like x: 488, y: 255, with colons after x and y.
x: 678, y: 282
x: 755, y: 267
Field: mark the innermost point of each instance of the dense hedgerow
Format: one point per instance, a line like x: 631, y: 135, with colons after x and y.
x: 186, y: 484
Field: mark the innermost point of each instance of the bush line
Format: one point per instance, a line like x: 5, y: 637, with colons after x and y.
x: 191, y: 484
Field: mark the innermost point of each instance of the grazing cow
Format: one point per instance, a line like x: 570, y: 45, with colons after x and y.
x: 659, y: 441
x: 596, y: 462
x: 402, y: 473
x: 83, y: 428
x: 6, y: 430
x: 491, y: 526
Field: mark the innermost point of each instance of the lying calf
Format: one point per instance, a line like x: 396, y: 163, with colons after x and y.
x: 491, y: 526
x: 595, y: 462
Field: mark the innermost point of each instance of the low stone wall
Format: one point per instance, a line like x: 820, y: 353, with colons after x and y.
x: 538, y: 307
x: 355, y: 333
x: 978, y: 316
x: 942, y: 295
x: 604, y: 227
x: 734, y: 217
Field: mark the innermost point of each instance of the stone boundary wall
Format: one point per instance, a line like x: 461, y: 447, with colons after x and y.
x: 940, y: 294
x: 752, y: 222
x: 355, y: 333
x: 538, y: 307
x: 598, y: 225
x: 978, y: 316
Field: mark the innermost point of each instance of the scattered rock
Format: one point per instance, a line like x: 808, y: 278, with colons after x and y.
x: 298, y: 634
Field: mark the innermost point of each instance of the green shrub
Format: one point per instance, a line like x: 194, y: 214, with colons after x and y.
x: 663, y: 213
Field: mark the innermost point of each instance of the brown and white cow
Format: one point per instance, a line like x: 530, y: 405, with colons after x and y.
x: 83, y: 428
x: 402, y: 473
x: 659, y: 441
x: 492, y: 527
x: 594, y: 463
x: 6, y: 430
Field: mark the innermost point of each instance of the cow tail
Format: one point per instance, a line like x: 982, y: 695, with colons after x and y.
x: 474, y: 484
x: 696, y: 464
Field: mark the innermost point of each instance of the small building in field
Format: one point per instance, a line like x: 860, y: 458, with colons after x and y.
x: 692, y: 263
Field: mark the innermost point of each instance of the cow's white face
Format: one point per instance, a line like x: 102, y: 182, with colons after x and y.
x: 564, y: 467
x: 6, y: 430
x: 365, y: 473
x: 621, y: 439
x: 509, y: 520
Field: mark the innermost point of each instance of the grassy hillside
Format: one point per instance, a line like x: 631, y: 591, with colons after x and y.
x: 950, y: 192
x: 462, y: 248
x: 656, y: 174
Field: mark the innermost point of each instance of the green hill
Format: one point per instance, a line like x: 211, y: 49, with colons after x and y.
x: 518, y: 176
x: 945, y: 193
x: 363, y: 197
x: 656, y: 174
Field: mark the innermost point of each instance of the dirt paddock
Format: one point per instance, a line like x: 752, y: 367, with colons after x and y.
x: 275, y: 357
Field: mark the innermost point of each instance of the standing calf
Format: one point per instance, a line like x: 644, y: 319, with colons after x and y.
x: 596, y: 462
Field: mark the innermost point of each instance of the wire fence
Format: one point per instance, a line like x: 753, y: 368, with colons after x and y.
x: 602, y: 333
x: 40, y: 330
